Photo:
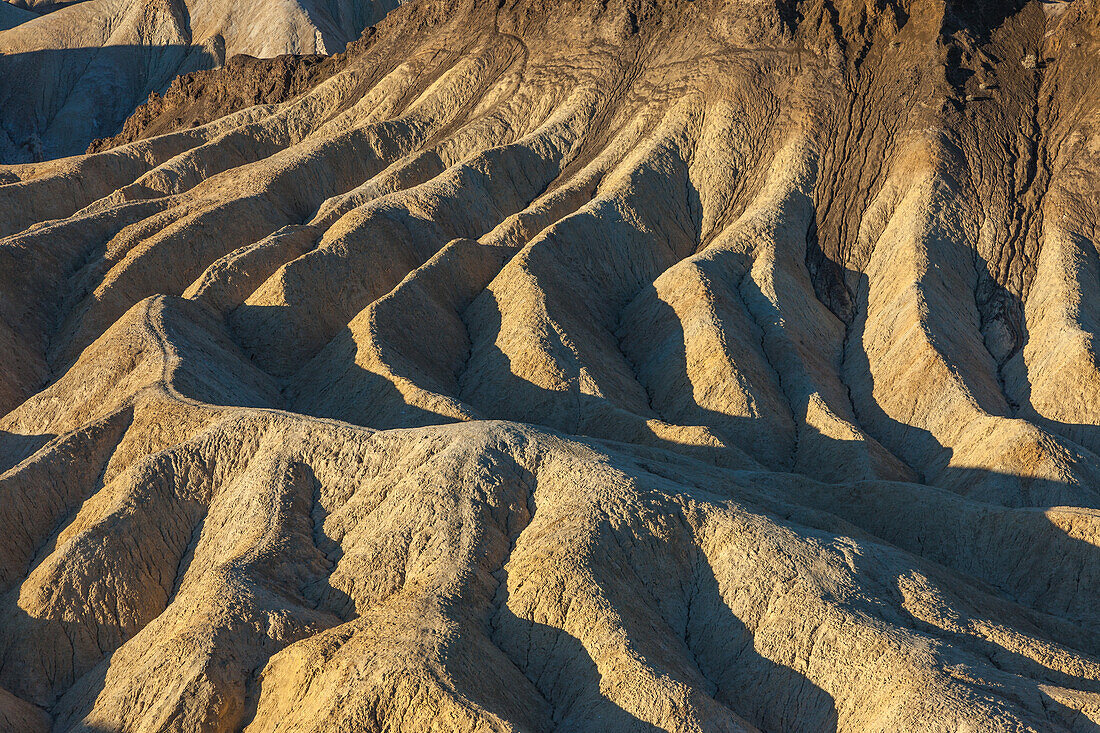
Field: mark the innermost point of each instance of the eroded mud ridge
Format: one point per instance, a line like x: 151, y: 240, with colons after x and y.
x: 73, y: 71
x: 631, y: 366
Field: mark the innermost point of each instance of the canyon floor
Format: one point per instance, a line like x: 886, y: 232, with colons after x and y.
x: 550, y: 365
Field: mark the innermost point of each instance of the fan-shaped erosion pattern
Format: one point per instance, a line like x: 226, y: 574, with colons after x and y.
x: 566, y: 366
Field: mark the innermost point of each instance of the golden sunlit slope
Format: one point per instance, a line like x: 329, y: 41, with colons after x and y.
x: 641, y: 365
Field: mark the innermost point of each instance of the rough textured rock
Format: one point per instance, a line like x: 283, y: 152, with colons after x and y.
x: 203, y: 96
x: 713, y: 365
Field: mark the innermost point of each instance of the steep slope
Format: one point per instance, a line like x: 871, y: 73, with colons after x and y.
x: 11, y: 16
x: 200, y: 97
x: 75, y: 74
x: 686, y: 365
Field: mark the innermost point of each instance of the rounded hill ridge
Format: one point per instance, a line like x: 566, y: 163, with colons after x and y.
x: 636, y: 365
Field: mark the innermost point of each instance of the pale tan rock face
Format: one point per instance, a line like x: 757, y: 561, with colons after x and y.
x: 73, y: 75
x: 630, y: 366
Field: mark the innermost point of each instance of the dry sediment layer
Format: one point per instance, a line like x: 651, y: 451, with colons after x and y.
x: 667, y: 365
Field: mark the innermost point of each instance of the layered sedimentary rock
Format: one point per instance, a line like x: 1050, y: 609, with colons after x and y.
x: 642, y: 365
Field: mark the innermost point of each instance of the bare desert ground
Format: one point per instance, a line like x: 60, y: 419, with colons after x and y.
x: 555, y: 365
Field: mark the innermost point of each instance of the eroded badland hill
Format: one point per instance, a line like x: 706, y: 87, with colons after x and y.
x: 637, y: 365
